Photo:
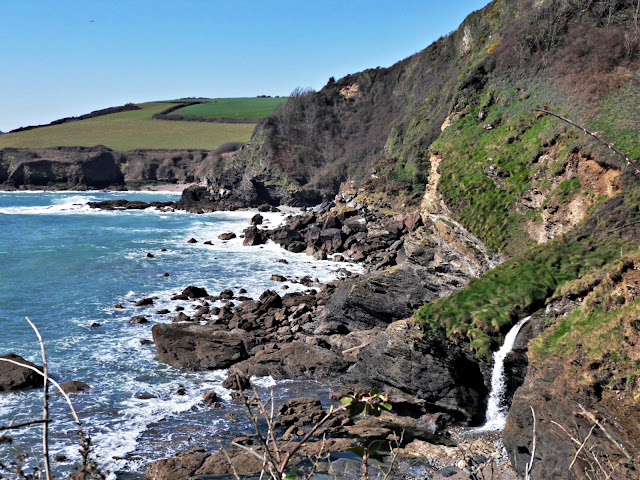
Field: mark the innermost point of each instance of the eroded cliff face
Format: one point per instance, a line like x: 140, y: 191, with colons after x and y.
x: 68, y: 167
x: 99, y: 167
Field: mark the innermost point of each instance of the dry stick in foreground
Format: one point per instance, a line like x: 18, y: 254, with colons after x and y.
x: 611, y: 146
x: 527, y: 475
x: 45, y: 412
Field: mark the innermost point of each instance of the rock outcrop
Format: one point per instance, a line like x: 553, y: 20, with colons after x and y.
x: 94, y: 167
x: 14, y: 377
x: 198, y: 347
x: 437, y: 376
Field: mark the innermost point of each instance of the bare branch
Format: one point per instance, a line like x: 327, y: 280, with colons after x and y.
x: 15, y: 426
x: 45, y: 410
x: 611, y: 146
x: 55, y: 384
x: 584, y: 442
x: 592, y: 417
x: 533, y: 446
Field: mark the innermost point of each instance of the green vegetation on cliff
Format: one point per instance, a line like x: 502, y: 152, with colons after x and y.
x: 484, y: 310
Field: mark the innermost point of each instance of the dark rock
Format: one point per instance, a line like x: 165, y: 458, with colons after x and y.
x: 95, y: 324
x: 413, y: 221
x: 227, y: 236
x: 144, y: 302
x: 163, y: 311
x: 236, y: 381
x: 207, y: 242
x: 209, y: 397
x: 381, y: 298
x: 440, y: 376
x: 118, y: 305
x: 198, y: 347
x: 253, y: 236
x: 278, y: 278
x: 300, y: 411
x: 146, y: 342
x: 257, y: 219
x: 150, y: 255
x: 226, y: 294
x: 181, y: 390
x: 74, y: 386
x: 138, y: 319
x: 14, y: 377
x: 195, y: 292
x: 182, y: 317
x: 295, y: 360
x: 264, y: 208
x: 165, y: 274
x: 192, y: 240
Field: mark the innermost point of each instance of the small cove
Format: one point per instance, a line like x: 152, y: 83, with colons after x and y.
x: 65, y: 266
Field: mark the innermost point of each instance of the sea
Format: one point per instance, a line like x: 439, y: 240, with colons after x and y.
x: 65, y: 266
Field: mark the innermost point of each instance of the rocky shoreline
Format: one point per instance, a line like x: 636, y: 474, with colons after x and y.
x: 353, y: 330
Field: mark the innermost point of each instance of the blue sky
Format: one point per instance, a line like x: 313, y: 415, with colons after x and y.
x: 61, y: 58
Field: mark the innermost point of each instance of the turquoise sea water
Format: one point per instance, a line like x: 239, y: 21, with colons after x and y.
x: 65, y: 266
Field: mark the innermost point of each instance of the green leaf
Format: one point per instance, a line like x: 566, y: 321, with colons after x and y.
x: 290, y: 476
x: 346, y: 401
x: 374, y: 391
x: 386, y: 406
x: 375, y: 446
x: 355, y: 410
x: 359, y: 451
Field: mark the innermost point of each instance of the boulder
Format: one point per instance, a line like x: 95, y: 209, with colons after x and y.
x: 14, y: 377
x: 381, y: 298
x: 74, y: 386
x: 199, y: 347
x: 295, y: 360
x: 138, y: 319
x: 253, y: 236
x: 194, y: 292
x: 440, y: 376
x: 257, y: 219
x: 227, y: 236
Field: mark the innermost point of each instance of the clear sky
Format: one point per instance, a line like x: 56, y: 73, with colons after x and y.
x: 62, y: 58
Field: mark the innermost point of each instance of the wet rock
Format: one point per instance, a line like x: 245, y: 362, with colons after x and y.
x: 194, y: 292
x: 138, y: 319
x: 257, y: 219
x: 227, y: 236
x: 182, y: 317
x: 150, y: 255
x: 74, y: 386
x: 236, y: 381
x: 14, y: 377
x: 192, y: 240
x: 253, y: 236
x: 198, y: 347
x: 144, y: 302
x: 118, y: 306
x: 163, y: 311
x: 278, y: 278
x: 209, y: 397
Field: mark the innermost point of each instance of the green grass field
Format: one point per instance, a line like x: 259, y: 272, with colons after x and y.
x: 232, y: 108
x: 131, y: 130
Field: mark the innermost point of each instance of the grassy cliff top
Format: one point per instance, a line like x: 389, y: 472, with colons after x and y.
x: 131, y: 130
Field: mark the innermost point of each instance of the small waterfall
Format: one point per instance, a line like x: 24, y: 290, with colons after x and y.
x: 496, y: 415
